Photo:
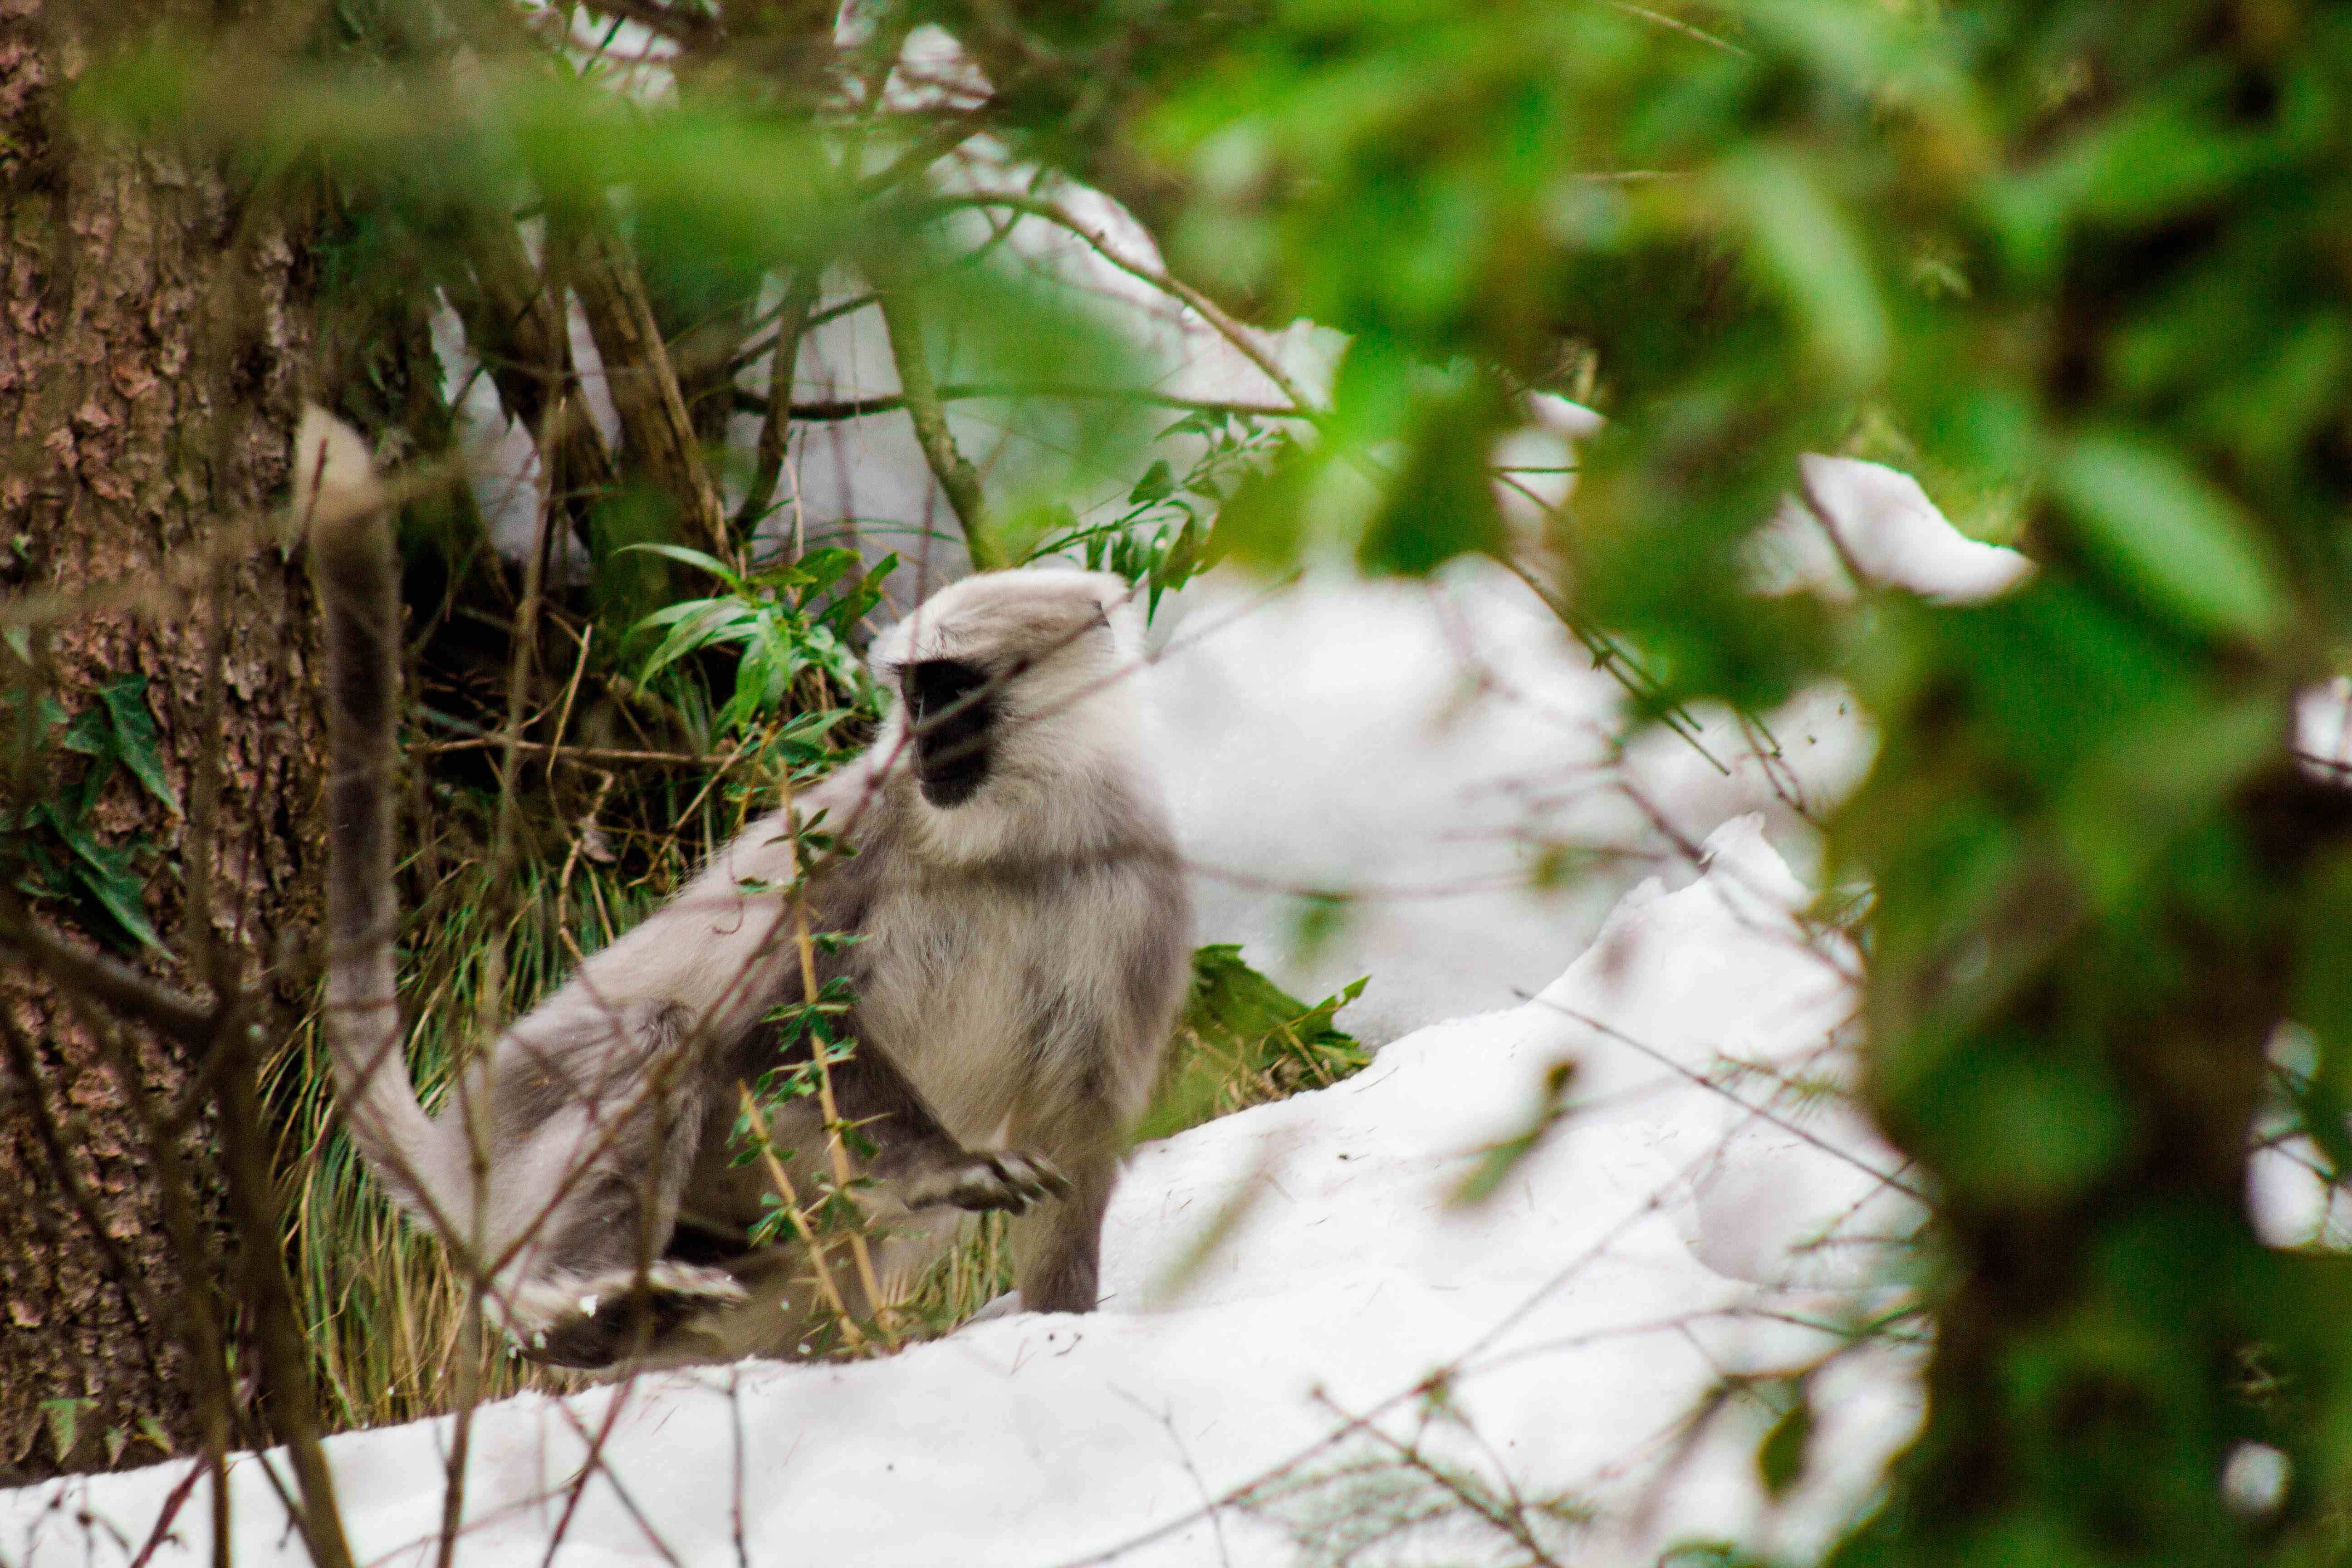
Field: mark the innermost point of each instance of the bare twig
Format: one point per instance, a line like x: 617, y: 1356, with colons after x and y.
x: 1233, y: 332
x: 776, y: 417
x: 838, y: 410
x: 584, y: 756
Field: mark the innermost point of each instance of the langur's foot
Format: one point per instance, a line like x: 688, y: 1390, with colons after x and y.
x: 999, y: 1179
x: 594, y: 1321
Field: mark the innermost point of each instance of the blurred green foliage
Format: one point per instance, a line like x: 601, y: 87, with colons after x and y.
x: 2094, y: 253
x: 2082, y: 266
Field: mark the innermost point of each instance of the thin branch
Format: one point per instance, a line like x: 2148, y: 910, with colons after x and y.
x: 960, y: 392
x: 585, y: 756
x: 1233, y: 332
x: 269, y: 1296
x: 799, y: 1217
x: 1608, y: 656
x: 1676, y: 23
x: 858, y: 1252
x: 778, y: 413
x: 102, y: 979
x: 686, y: 29
x: 1704, y: 1082
x: 655, y: 428
x: 959, y: 481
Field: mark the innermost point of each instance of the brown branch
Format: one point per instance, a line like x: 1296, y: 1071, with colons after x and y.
x: 587, y: 756
x: 858, y: 1252
x: 1208, y: 309
x: 798, y: 1216
x: 285, y: 1358
x: 102, y: 979
x: 778, y: 413
x: 962, y: 392
x: 515, y: 324
x: 656, y: 431
x: 46, y: 1133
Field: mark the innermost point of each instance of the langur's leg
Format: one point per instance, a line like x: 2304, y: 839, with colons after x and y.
x: 921, y: 1162
x: 1057, y: 1252
x: 592, y: 1284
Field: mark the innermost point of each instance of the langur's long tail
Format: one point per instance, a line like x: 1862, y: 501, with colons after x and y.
x: 338, y: 499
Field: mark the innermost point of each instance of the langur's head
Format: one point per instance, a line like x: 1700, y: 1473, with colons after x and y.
x: 1013, y: 687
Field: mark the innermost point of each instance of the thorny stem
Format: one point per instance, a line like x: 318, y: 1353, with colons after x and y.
x: 858, y: 1250
x: 825, y: 1286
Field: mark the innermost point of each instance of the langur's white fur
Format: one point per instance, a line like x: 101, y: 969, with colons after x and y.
x: 1022, y: 945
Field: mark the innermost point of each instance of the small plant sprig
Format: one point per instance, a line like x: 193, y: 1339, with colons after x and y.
x: 1163, y: 539
x: 791, y: 621
x: 51, y: 844
x: 790, y: 1082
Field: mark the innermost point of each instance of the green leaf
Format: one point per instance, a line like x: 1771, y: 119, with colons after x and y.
x: 88, y: 734
x: 1442, y: 504
x: 1244, y: 1039
x: 710, y: 563
x: 135, y: 736
x: 716, y: 621
x: 64, y: 1418
x: 1802, y: 243
x: 106, y: 875
x: 1497, y: 1161
x: 1780, y: 1457
x: 2180, y: 541
x: 1157, y: 482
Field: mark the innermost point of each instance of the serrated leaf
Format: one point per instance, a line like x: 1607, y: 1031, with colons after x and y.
x: 135, y: 736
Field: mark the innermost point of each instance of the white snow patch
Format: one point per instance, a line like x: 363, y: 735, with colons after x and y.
x: 1665, y: 1233
x: 1424, y: 747
x: 1886, y: 532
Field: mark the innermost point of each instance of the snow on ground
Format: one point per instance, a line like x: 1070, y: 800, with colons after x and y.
x: 1423, y: 746
x: 1268, y: 1278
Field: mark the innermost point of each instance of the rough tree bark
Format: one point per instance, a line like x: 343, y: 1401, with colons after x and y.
x: 152, y: 329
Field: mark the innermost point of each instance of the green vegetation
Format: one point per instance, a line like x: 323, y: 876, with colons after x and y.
x: 2081, y: 265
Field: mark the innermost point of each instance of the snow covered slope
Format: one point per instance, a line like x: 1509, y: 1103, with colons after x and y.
x: 1272, y: 1277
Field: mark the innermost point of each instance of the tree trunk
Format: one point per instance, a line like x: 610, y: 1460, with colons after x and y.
x: 152, y: 330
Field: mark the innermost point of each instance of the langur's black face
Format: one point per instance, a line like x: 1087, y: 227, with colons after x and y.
x: 949, y: 709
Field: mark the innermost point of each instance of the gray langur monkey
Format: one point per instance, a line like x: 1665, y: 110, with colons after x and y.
x: 1023, y: 942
